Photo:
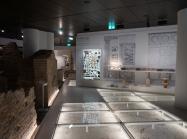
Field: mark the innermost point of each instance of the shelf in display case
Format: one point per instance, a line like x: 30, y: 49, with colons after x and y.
x: 140, y: 69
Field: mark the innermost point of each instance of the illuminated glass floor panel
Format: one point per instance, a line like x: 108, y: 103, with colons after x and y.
x: 146, y: 94
x: 158, y: 131
x: 142, y: 116
x: 84, y: 106
x: 122, y: 98
x: 72, y: 83
x: 159, y: 98
x: 131, y: 106
x: 86, y: 117
x: 106, y: 90
x: 115, y: 93
x: 109, y: 131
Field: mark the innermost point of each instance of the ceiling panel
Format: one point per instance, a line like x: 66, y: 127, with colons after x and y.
x: 111, y: 3
x: 125, y: 15
x: 76, y: 14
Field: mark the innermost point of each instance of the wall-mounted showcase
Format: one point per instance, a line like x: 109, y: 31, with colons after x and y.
x: 144, y: 57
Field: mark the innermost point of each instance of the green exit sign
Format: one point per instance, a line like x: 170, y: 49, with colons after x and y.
x: 111, y: 25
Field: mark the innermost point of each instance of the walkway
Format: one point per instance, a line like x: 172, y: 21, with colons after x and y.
x: 88, y: 113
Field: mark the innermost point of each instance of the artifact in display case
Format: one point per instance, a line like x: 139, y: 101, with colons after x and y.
x: 165, y: 82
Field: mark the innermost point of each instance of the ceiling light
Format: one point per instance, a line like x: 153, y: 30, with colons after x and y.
x: 60, y: 31
x: 22, y: 36
x: 69, y: 45
x: 71, y: 38
x: 2, y: 30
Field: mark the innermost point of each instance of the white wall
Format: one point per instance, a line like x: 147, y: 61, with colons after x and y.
x: 181, y: 75
x: 35, y: 40
x: 96, y: 41
x: 4, y: 41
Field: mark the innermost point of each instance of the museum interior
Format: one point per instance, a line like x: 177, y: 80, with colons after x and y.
x: 93, y: 69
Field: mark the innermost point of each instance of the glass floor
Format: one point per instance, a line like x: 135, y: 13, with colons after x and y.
x: 84, y: 106
x: 143, y: 116
x: 106, y: 90
x: 146, y: 94
x: 115, y: 93
x: 72, y: 83
x: 159, y: 98
x: 122, y: 98
x: 131, y: 106
x: 122, y: 115
x: 86, y: 117
x: 158, y: 131
x: 108, y: 131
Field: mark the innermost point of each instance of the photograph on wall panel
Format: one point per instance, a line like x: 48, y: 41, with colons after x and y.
x: 91, y: 64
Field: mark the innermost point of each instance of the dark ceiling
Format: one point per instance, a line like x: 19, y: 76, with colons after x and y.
x: 76, y: 15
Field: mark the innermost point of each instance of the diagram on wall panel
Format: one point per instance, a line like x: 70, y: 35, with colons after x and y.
x: 128, y: 54
x: 119, y: 51
x: 91, y: 64
x: 162, y: 50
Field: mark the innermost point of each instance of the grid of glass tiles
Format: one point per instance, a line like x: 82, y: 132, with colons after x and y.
x: 123, y: 115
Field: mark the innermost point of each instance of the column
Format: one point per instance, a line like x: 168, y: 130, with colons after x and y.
x: 181, y: 68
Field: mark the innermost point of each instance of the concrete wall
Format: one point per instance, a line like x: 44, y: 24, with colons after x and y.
x: 4, y: 41
x: 95, y: 40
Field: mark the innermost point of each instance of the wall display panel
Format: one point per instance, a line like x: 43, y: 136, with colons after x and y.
x: 141, y: 58
x: 83, y: 41
x: 91, y: 64
x: 120, y: 51
x: 162, y: 50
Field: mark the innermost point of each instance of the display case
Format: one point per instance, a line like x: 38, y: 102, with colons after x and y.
x: 142, y: 76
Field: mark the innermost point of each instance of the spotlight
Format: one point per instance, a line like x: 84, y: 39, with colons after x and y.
x: 60, y: 31
x: 71, y: 38
x: 69, y: 45
x: 22, y: 36
x: 2, y: 30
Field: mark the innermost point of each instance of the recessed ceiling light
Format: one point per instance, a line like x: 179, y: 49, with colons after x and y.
x: 60, y: 31
x: 71, y: 38
x: 69, y: 45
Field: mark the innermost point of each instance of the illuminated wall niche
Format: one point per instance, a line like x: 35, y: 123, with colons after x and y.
x: 91, y: 64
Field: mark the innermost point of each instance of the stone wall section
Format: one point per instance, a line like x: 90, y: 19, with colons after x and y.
x: 17, y: 113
